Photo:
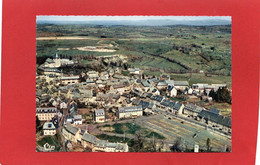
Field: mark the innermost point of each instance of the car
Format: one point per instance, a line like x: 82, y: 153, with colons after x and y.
x: 182, y: 122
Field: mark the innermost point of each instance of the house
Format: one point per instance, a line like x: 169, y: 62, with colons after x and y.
x: 145, y: 84
x: 104, y: 76
x: 93, y: 75
x: 71, y: 133
x: 50, y: 63
x: 181, y: 85
x: 104, y: 146
x: 46, y: 114
x: 171, y: 91
x: 98, y: 145
x: 99, y: 115
x: 157, y: 98
x: 73, y: 108
x: 88, y: 140
x: 100, y: 83
x: 192, y: 110
x: 178, y: 108
x: 120, y: 88
x: 69, y: 119
x: 215, y: 121
x: 134, y: 71
x: 169, y: 82
x: 50, y: 71
x: 77, y: 119
x: 49, y: 128
x: 65, y: 80
x: 63, y: 105
x: 190, y: 91
x: 161, y: 84
x: 129, y: 112
x: 144, y: 104
x: 165, y: 77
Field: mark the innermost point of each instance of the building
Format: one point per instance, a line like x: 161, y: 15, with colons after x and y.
x: 46, y: 114
x: 56, y: 62
x: 104, y: 146
x: 161, y: 84
x: 77, y: 119
x: 178, y: 108
x: 134, y: 70
x: 65, y: 80
x: 71, y: 133
x: 63, y: 105
x: 88, y: 140
x: 99, y: 115
x: 192, y: 110
x: 215, y: 121
x: 73, y: 108
x: 98, y: 145
x: 171, y: 91
x: 130, y: 112
x: 50, y: 71
x: 181, y: 85
x: 93, y: 75
x: 49, y: 129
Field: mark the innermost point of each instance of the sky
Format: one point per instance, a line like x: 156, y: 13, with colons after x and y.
x: 136, y: 20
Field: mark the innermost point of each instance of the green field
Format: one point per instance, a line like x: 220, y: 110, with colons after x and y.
x: 158, y: 49
x: 132, y: 128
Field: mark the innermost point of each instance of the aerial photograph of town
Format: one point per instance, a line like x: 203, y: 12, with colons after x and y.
x: 133, y: 84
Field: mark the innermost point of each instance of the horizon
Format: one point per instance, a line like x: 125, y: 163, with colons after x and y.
x: 136, y: 20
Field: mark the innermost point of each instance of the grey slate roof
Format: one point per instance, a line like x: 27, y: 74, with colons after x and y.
x: 214, y: 110
x: 130, y: 109
x: 177, y: 106
x: 71, y: 129
x: 145, y: 84
x: 162, y: 83
x: 48, y: 126
x: 99, y: 112
x: 216, y: 118
x: 89, y: 138
x: 49, y: 60
x: 181, y: 83
x: 157, y: 98
x: 144, y: 104
x: 46, y: 110
x: 193, y: 108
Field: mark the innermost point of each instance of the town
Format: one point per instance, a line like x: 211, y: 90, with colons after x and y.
x: 119, y: 108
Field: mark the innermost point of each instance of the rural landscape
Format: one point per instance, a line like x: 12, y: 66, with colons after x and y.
x: 133, y: 84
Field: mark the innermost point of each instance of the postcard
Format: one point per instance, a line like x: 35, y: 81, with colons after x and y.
x: 133, y: 84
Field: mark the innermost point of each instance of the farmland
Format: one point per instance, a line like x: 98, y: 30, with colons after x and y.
x: 179, y: 51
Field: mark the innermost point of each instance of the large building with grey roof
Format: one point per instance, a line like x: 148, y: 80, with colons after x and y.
x: 46, y: 114
x: 216, y: 121
x: 192, y: 110
x: 71, y: 133
x: 129, y: 112
x: 100, y: 115
x: 49, y: 128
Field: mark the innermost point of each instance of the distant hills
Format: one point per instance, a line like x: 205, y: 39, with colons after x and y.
x: 153, y: 22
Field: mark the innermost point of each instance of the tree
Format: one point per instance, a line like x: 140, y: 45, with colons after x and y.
x: 38, y: 123
x: 177, y: 147
x: 139, y: 141
x: 208, y: 143
x: 222, y: 95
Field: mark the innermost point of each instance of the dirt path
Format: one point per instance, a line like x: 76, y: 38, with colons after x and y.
x: 66, y: 38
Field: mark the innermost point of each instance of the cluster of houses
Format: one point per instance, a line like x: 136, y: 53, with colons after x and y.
x: 76, y: 135
x: 133, y: 97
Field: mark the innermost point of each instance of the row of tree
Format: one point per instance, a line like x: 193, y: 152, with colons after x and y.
x: 222, y: 95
